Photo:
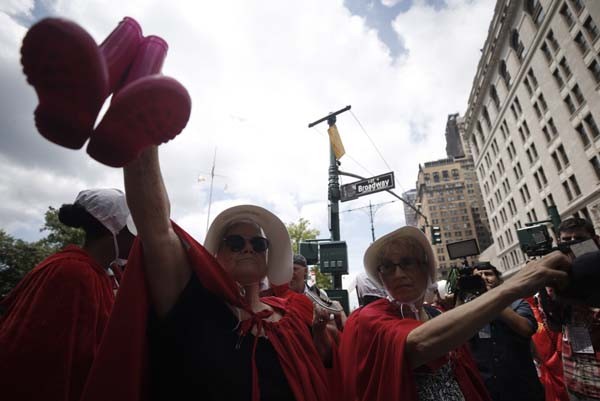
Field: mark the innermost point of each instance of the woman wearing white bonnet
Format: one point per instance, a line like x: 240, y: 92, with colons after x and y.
x: 56, y: 315
x: 399, y: 348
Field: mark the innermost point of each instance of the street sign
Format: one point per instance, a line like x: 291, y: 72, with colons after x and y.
x: 367, y: 186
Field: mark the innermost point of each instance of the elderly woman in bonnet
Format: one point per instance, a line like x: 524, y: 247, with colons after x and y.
x: 399, y: 348
x: 56, y: 315
x: 195, y: 314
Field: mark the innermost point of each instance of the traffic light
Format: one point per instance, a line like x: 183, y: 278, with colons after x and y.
x: 436, y: 235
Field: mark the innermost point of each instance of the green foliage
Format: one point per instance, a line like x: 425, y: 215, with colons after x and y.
x: 299, y: 232
x: 18, y: 257
x: 60, y: 235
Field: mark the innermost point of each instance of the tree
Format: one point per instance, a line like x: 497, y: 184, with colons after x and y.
x: 18, y: 257
x: 60, y: 235
x: 299, y: 232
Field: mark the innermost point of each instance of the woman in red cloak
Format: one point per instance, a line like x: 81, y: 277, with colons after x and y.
x: 399, y: 349
x: 197, y: 327
x: 55, y: 317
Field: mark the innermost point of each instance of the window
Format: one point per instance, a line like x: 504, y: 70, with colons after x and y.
x: 494, y: 96
x: 577, y: 5
x: 565, y: 11
x: 535, y: 9
x: 581, y: 43
x: 486, y: 118
x: 570, y: 105
x: 591, y: 126
x: 585, y: 140
x: 543, y: 104
x: 534, y: 153
x: 538, y: 112
x: 591, y: 28
x: 567, y: 191
x: 553, y: 129
x: 518, y: 105
x: 504, y: 73
x: 516, y: 44
x: 577, y: 95
x: 528, y: 86
x: 594, y: 69
x: 501, y: 166
x: 518, y: 171
x: 596, y: 166
x: 546, y: 52
x: 574, y: 185
x: 563, y: 155
x: 552, y: 41
x: 557, y: 162
x: 558, y: 79
x: 564, y: 66
x: 537, y: 180
x: 542, y: 176
x: 532, y: 77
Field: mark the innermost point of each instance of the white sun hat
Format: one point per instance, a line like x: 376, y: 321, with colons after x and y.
x: 279, y: 262
x: 372, y: 252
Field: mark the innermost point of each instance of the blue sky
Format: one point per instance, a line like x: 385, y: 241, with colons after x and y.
x: 379, y: 17
x: 258, y: 72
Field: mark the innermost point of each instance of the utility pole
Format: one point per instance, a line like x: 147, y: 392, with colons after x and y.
x: 333, y: 189
x: 372, y: 209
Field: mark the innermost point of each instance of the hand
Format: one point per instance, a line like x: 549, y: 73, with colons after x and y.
x: 322, y: 338
x: 551, y: 271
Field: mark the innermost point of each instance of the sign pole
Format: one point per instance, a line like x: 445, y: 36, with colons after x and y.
x: 334, y: 202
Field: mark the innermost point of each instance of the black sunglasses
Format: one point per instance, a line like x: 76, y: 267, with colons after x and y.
x: 236, y: 243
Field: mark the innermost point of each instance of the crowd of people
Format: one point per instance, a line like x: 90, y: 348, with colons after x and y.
x: 233, y: 318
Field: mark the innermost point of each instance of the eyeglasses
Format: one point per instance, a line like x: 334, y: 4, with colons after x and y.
x: 387, y: 267
x: 236, y: 243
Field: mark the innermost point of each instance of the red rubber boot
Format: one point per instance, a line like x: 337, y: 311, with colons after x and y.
x: 150, y: 109
x: 72, y: 76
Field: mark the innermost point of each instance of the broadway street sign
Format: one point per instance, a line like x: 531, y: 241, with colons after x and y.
x: 367, y: 186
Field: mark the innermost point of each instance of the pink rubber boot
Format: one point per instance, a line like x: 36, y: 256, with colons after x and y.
x: 72, y: 76
x: 150, y: 109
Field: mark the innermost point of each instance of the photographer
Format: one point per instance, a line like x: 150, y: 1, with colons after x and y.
x: 580, y: 326
x: 501, y: 348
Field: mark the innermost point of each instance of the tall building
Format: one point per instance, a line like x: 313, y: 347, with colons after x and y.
x: 410, y: 215
x: 448, y: 194
x: 454, y: 142
x: 532, y: 117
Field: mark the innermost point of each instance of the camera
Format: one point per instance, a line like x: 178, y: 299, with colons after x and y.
x: 461, y: 281
x: 585, y: 270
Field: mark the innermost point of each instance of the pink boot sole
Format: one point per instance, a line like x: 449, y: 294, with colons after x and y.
x: 64, y: 65
x: 149, y: 111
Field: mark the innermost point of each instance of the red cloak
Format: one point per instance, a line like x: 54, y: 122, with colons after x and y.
x: 373, y: 362
x: 120, y: 369
x: 52, y: 328
x: 548, y: 347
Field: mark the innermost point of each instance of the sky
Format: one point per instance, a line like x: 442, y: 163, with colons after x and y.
x: 258, y: 72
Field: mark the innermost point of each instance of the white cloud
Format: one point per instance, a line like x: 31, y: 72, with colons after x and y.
x: 258, y: 73
x: 390, y: 3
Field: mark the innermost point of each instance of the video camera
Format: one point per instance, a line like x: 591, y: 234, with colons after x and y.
x: 585, y: 270
x: 461, y: 281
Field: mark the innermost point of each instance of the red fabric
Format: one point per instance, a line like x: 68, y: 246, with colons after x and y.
x: 52, y: 328
x: 548, y: 346
x: 374, y: 366
x: 120, y: 370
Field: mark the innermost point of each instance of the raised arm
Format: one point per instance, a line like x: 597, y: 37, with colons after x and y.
x: 166, y: 263
x: 452, y: 329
